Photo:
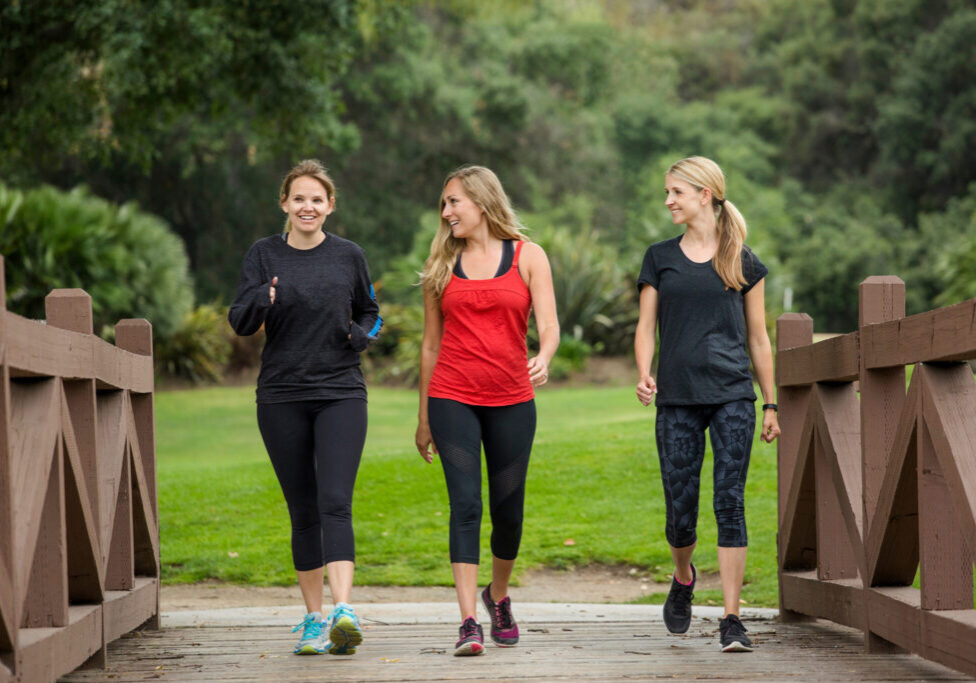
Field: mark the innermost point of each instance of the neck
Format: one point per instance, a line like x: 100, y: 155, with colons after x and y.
x: 481, y: 241
x: 703, y: 231
x: 301, y: 240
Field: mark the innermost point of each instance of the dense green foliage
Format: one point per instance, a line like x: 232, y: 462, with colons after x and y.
x: 222, y: 515
x: 130, y: 263
x: 846, y: 129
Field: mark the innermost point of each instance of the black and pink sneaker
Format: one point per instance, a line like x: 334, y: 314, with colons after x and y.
x: 504, y: 630
x: 472, y: 639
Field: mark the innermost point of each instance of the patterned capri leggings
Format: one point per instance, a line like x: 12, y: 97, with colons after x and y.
x: 680, y: 435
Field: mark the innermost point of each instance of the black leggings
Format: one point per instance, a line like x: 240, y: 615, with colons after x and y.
x: 459, y: 430
x: 680, y: 433
x: 315, y: 448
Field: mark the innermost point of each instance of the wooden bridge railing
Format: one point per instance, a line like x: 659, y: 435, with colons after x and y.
x: 876, y: 482
x: 79, y: 540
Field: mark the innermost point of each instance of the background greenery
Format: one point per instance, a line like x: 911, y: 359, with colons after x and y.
x: 846, y: 129
x: 594, y: 478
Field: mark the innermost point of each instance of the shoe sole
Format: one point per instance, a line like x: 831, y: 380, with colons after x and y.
x: 469, y: 650
x: 736, y: 647
x: 345, y: 636
x: 340, y: 650
x: 308, y: 650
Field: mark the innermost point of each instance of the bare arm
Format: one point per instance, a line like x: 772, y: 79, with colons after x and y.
x: 429, y: 349
x: 538, y: 278
x: 761, y: 352
x: 644, y: 344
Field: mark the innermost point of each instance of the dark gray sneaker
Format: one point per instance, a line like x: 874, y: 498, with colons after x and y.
x: 677, y: 608
x: 733, y: 634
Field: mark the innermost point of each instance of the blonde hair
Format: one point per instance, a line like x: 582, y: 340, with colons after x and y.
x: 482, y: 187
x: 701, y: 173
x: 313, y: 168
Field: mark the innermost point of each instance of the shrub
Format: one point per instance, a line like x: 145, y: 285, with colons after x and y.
x: 199, y: 349
x: 128, y: 261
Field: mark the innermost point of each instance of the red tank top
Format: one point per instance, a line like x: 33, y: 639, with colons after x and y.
x: 483, y: 355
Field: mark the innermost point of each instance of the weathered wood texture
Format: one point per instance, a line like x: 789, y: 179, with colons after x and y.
x: 79, y: 539
x: 612, y: 651
x: 876, y: 483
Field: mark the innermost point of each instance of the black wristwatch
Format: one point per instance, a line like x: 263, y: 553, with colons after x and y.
x: 770, y: 406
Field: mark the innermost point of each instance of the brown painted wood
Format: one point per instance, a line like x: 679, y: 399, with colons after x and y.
x: 881, y: 300
x: 839, y: 436
x: 119, y: 567
x: 949, y: 410
x: 892, y: 550
x: 49, y: 653
x: 894, y: 613
x: 841, y: 601
x: 9, y: 617
x: 46, y: 598
x: 797, y: 537
x: 127, y: 610
x: 830, y: 360
x: 945, y: 334
x: 946, y: 562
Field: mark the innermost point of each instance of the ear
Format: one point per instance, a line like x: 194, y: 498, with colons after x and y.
x: 284, y: 204
x: 706, y: 196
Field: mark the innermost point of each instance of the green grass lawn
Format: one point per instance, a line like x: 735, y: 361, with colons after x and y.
x: 593, y: 478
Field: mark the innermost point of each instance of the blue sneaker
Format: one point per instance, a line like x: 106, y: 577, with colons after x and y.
x: 344, y: 631
x: 311, y: 642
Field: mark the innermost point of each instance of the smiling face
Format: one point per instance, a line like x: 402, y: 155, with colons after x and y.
x: 459, y: 212
x: 684, y: 200
x: 307, y: 205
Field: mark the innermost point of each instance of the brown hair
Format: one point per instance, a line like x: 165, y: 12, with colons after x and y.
x: 701, y: 173
x: 313, y: 168
x: 484, y: 188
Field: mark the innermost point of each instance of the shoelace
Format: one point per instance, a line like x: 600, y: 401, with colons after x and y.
x: 339, y: 612
x: 469, y: 628
x: 682, y: 598
x: 313, y: 629
x: 503, y: 614
x: 734, y: 627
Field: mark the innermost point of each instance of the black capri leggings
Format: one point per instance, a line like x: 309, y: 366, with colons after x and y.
x: 315, y: 448
x: 680, y: 433
x: 459, y: 430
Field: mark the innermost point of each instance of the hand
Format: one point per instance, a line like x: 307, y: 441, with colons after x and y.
x: 770, y: 426
x: 425, y: 442
x: 646, y: 388
x: 274, y: 283
x: 538, y: 371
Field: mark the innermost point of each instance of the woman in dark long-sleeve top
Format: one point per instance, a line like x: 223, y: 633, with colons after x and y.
x: 311, y: 290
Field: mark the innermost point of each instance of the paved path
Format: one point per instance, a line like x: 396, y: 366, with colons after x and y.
x: 560, y: 642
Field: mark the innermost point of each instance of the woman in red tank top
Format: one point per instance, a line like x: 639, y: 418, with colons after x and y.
x: 477, y: 383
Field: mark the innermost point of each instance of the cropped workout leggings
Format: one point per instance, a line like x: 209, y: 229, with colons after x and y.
x: 315, y: 448
x: 459, y: 430
x: 680, y: 433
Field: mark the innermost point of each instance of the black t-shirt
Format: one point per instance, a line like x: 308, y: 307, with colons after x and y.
x: 703, y: 359
x: 323, y: 297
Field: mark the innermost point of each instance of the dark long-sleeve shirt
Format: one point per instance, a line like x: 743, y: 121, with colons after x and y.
x: 324, y: 314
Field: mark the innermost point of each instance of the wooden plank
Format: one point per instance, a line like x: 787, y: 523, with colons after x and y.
x: 830, y: 360
x: 51, y: 652
x: 45, y: 601
x: 119, y: 567
x: 841, y: 601
x: 839, y: 434
x: 110, y: 440
x: 950, y: 638
x: 891, y: 545
x: 552, y: 651
x: 115, y: 368
x: 949, y: 412
x: 9, y: 614
x: 945, y: 334
x: 125, y: 610
x: 895, y: 614
x: 34, y: 428
x: 797, y: 536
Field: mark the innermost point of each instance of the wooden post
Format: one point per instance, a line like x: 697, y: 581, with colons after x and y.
x: 9, y: 617
x: 792, y: 330
x: 135, y: 335
x: 71, y: 309
x: 880, y: 299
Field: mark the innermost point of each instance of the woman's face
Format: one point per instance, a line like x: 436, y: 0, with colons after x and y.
x: 307, y: 205
x: 683, y: 200
x: 462, y: 215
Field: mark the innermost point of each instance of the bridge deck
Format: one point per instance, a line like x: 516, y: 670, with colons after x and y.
x: 551, y: 650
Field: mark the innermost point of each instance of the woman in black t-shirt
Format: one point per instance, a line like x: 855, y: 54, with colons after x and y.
x: 704, y: 291
x: 311, y: 291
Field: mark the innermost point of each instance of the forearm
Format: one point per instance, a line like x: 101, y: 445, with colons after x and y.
x: 548, y: 340
x: 762, y: 360
x: 643, y: 352
x: 428, y: 358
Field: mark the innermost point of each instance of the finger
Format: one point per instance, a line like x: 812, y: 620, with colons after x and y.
x: 274, y: 280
